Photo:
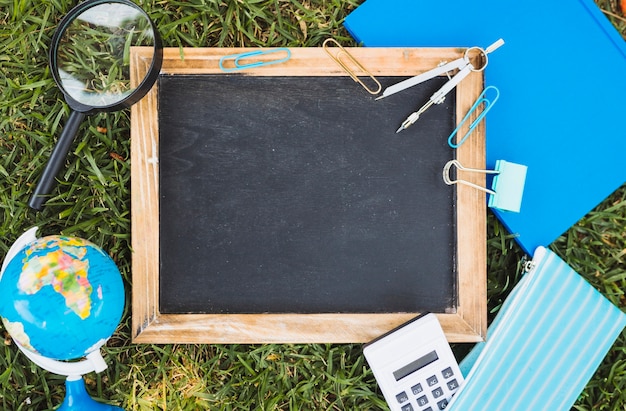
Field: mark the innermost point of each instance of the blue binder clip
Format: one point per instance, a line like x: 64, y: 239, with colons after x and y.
x: 482, y: 98
x: 507, y: 186
x: 236, y: 59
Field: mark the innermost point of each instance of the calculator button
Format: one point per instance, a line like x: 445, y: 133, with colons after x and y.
x: 428, y: 409
x: 416, y: 389
x: 447, y: 373
x: 402, y: 397
x: 453, y: 385
x: 442, y: 404
x: 407, y: 407
x: 432, y: 381
x: 437, y: 392
x: 421, y: 401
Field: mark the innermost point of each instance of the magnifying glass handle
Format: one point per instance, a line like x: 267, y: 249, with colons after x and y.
x: 56, y: 160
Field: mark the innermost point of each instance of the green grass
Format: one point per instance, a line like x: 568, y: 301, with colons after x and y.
x: 94, y: 203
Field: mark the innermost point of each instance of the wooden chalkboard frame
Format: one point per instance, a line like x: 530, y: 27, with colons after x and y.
x: 467, y: 323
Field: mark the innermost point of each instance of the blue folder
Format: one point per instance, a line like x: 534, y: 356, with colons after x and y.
x: 561, y: 105
x: 549, y: 337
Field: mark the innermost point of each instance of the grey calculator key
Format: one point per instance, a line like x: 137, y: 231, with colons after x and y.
x: 437, y: 392
x: 432, y: 381
x: 442, y: 404
x: 421, y: 401
x: 407, y: 407
x: 402, y: 397
x: 447, y: 373
x: 453, y: 385
x: 416, y: 389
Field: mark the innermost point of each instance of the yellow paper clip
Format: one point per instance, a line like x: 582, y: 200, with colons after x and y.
x: 337, y: 58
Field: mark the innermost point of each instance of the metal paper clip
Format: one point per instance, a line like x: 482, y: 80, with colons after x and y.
x: 507, y: 186
x: 337, y: 58
x: 487, y: 106
x: 236, y: 59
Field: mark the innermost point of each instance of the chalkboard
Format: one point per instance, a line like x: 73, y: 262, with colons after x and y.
x: 290, y: 195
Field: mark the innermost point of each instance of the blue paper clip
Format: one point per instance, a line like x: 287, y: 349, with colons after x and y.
x: 481, y: 99
x: 507, y: 186
x: 236, y: 59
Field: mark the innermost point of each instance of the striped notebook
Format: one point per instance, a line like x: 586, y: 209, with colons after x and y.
x: 546, y: 342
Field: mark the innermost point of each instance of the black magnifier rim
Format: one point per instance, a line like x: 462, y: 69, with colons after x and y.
x: 140, y: 91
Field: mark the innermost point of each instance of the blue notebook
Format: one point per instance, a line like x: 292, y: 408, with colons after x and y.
x: 548, y: 339
x: 561, y: 105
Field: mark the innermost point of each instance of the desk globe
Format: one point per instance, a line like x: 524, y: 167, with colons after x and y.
x: 61, y: 299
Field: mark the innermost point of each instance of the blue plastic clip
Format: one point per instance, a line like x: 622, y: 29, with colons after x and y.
x: 236, y: 59
x: 507, y: 186
x: 481, y: 99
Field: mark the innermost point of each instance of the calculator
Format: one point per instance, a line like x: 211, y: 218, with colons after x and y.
x: 414, y: 366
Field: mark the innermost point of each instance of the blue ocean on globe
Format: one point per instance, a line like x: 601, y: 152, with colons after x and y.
x: 61, y: 297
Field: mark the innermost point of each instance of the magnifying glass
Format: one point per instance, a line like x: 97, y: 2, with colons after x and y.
x: 90, y: 63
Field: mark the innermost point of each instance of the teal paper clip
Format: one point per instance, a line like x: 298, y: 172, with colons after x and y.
x: 237, y: 58
x: 507, y: 186
x: 482, y: 98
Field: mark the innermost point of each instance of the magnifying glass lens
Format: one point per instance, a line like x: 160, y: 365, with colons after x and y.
x: 93, y: 54
x: 90, y: 61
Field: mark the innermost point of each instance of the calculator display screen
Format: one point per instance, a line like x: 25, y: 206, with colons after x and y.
x: 415, y: 365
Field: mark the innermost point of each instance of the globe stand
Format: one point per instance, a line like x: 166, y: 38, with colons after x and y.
x: 76, y: 396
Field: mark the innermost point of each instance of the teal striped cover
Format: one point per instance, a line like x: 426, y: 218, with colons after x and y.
x: 546, y: 342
